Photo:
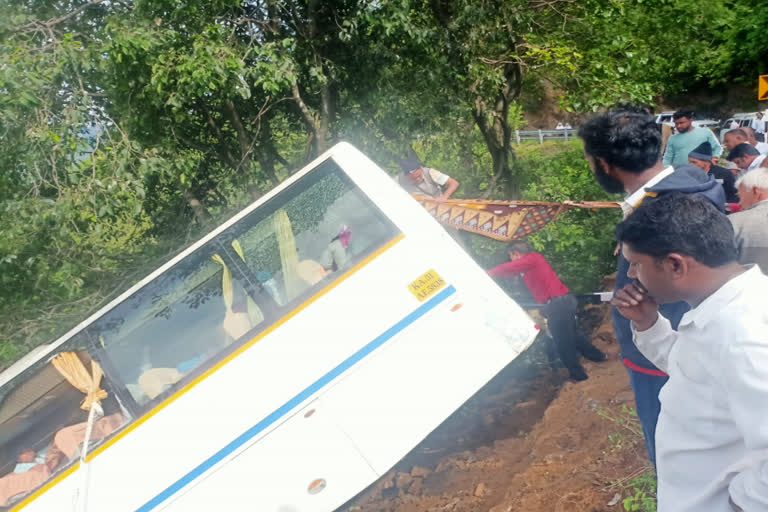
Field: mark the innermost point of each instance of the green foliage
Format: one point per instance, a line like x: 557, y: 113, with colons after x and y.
x: 129, y: 129
x: 643, y: 498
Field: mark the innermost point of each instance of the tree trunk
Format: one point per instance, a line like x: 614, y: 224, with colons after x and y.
x: 498, y: 134
x: 242, y: 136
x: 321, y: 137
x: 268, y: 153
x: 317, y: 123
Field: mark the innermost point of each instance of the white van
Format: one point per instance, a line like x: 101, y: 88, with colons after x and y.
x: 743, y: 118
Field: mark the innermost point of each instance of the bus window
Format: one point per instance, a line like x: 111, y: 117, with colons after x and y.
x: 314, y: 230
x: 239, y: 283
x: 178, y: 321
x: 43, y: 420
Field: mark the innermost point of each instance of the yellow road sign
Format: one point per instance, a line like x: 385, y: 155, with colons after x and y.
x: 762, y: 88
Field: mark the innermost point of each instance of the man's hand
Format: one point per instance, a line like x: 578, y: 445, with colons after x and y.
x: 441, y: 198
x: 634, y: 303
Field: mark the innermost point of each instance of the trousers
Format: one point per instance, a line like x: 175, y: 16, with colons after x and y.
x: 647, y: 388
x: 570, y: 339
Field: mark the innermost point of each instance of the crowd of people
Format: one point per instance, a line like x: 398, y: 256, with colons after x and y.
x: 689, y: 307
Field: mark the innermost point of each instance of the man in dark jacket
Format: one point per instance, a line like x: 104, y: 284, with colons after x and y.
x: 701, y: 157
x: 622, y: 148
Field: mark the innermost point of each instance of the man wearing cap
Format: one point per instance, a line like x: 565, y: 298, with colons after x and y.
x: 701, y: 157
x: 418, y: 179
x: 746, y: 157
x: 687, y: 138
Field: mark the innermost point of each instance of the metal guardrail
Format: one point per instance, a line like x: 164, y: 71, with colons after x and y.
x: 542, y: 135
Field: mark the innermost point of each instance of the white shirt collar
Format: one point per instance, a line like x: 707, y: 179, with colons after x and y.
x: 756, y: 163
x: 708, y: 309
x: 636, y: 197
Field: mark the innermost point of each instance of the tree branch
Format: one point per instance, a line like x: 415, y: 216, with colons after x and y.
x: 56, y: 21
x: 309, y: 119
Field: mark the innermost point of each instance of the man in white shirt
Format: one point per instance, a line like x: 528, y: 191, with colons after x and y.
x: 733, y: 138
x: 762, y: 147
x: 712, y: 433
x: 758, y: 125
x: 734, y: 124
x: 746, y: 157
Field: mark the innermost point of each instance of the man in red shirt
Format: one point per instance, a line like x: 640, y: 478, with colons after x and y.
x: 559, y: 305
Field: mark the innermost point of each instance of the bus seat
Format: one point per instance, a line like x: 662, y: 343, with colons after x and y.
x: 236, y: 324
x: 156, y: 380
x: 310, y: 271
x: 14, y: 486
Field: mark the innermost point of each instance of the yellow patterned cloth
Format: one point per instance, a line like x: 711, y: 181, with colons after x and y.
x: 501, y: 220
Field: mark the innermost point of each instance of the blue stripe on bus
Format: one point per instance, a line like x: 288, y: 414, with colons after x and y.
x: 297, y: 400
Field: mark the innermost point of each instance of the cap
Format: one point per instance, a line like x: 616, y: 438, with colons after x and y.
x: 702, y: 152
x: 410, y: 164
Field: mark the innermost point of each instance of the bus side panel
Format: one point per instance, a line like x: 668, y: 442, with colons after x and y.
x: 268, y: 376
x: 277, y: 473
x: 392, y: 403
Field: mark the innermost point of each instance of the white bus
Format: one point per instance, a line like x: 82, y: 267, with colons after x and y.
x: 282, y: 363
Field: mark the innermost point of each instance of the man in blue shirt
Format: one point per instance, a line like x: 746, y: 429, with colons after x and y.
x: 687, y: 138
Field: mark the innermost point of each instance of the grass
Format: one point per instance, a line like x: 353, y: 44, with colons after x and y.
x: 642, y: 492
x: 638, y: 488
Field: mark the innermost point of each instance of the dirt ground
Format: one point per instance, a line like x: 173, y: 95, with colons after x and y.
x: 529, y: 440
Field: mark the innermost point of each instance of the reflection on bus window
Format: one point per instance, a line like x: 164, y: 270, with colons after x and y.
x: 324, y: 225
x: 43, y: 418
x: 176, y: 323
x: 239, y: 283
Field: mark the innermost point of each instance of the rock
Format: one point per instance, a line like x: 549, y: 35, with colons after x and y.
x: 523, y: 405
x: 481, y: 490
x: 553, y: 458
x: 403, y: 480
x: 615, y: 500
x: 415, y: 488
x: 388, y: 481
x: 501, y: 508
x: 419, y: 471
x: 389, y: 492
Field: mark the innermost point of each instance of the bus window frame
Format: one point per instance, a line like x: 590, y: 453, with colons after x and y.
x: 112, y: 386
x: 221, y: 244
